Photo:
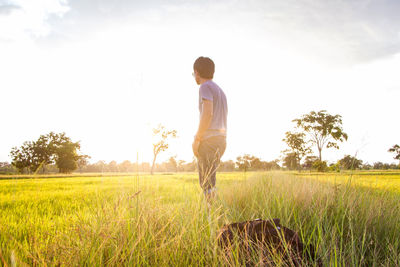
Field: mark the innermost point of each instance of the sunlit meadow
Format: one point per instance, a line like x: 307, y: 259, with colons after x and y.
x: 163, y: 219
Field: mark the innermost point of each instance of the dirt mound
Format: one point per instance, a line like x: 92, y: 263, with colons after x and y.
x: 269, y: 241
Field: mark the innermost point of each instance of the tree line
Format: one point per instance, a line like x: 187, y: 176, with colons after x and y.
x: 247, y: 163
x: 243, y: 163
x: 319, y: 130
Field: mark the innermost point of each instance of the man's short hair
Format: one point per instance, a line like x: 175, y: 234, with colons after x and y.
x: 205, y: 67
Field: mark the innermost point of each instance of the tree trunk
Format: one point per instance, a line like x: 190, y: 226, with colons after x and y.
x: 154, y: 162
x: 320, y: 156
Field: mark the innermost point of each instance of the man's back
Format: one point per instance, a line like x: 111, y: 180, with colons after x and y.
x: 209, y: 90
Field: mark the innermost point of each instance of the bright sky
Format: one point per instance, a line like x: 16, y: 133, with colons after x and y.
x: 106, y: 72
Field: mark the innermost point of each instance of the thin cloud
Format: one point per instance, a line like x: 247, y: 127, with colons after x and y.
x: 333, y: 31
x: 6, y: 9
x: 337, y: 31
x: 24, y: 20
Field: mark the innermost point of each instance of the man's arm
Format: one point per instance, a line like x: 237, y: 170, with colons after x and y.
x: 205, y: 118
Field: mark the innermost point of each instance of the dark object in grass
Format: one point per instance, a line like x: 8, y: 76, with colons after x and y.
x: 269, y: 242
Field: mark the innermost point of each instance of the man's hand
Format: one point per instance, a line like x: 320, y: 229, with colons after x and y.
x: 195, y: 147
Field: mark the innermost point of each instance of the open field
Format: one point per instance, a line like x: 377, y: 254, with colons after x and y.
x: 351, y: 218
x: 379, y: 180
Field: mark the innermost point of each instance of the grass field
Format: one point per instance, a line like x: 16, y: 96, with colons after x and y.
x: 380, y: 180
x: 351, y: 218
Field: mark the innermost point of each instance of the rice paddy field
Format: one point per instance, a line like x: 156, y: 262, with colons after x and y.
x: 351, y: 218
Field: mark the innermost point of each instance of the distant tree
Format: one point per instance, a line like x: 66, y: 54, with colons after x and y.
x: 291, y: 161
x: 366, y: 166
x: 67, y: 156
x: 334, y: 167
x: 396, y: 150
x: 190, y: 166
x: 256, y: 164
x: 324, y: 130
x: 22, y: 157
x: 350, y: 163
x: 162, y: 144
x: 227, y: 166
x: 244, y: 162
x: 31, y: 156
x: 394, y: 166
x: 320, y: 166
x: 308, y: 162
x: 378, y: 165
x: 101, y: 166
x: 180, y: 165
x: 4, y: 164
x: 297, y: 146
x: 248, y: 162
x: 65, y: 152
x: 145, y: 167
x: 48, y: 149
x: 172, y: 165
x: 161, y: 167
x: 271, y: 165
x: 112, y: 166
x: 6, y: 168
x: 386, y: 166
x: 44, y: 150
x: 125, y: 166
x: 82, y: 162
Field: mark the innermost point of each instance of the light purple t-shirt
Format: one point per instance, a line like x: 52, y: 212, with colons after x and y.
x: 211, y: 91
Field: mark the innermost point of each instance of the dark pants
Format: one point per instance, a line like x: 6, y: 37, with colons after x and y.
x: 210, y: 153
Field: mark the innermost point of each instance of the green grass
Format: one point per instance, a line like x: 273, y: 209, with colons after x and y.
x: 384, y: 181
x: 97, y: 221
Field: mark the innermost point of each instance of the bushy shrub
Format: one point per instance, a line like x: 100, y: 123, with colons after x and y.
x: 320, y: 166
x: 334, y: 167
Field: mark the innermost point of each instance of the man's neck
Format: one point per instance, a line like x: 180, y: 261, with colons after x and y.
x: 202, y: 80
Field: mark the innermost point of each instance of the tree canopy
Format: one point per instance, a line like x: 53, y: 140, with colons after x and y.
x: 248, y: 162
x: 396, y: 150
x: 298, y: 149
x: 324, y: 129
x: 162, y: 135
x: 52, y: 148
x: 291, y: 161
x: 350, y: 163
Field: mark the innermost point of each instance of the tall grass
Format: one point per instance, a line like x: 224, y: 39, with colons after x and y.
x: 106, y: 222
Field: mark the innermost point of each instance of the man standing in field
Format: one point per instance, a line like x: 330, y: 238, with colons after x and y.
x: 210, y: 140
